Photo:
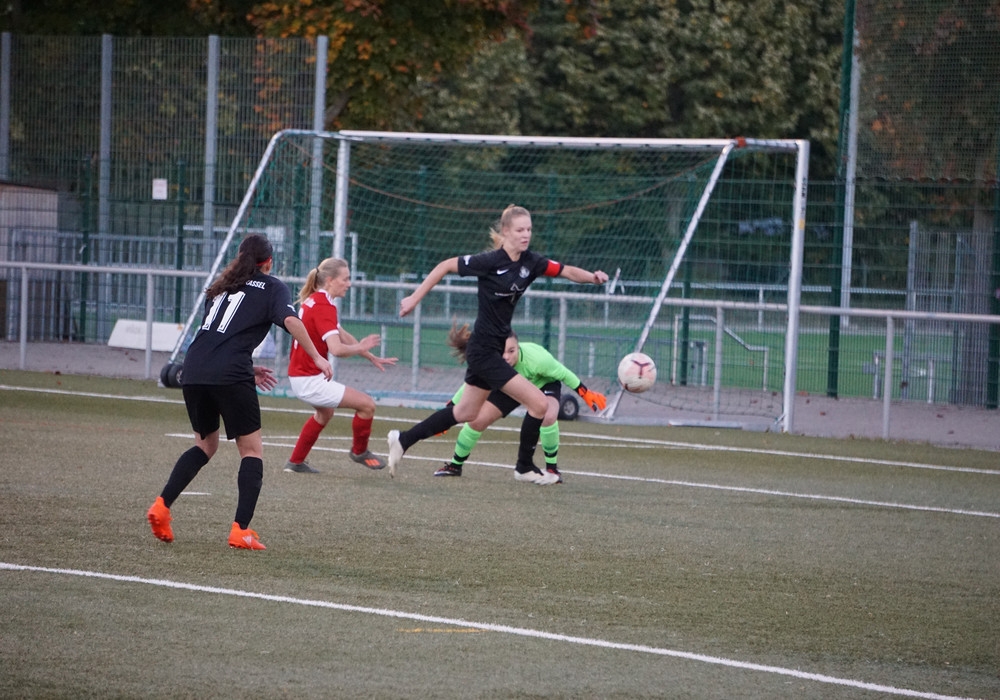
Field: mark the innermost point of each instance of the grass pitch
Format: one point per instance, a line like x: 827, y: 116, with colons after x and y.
x: 672, y: 563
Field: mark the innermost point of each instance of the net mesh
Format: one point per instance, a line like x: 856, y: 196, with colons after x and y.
x: 929, y: 106
x: 623, y: 210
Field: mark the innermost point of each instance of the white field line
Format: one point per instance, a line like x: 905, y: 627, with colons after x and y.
x: 676, y: 482
x: 636, y: 442
x: 791, y: 494
x: 776, y: 453
x: 488, y: 627
x: 698, y: 485
x: 88, y: 394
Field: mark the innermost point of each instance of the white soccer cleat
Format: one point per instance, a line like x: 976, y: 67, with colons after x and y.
x: 548, y: 478
x: 536, y: 477
x: 395, y: 452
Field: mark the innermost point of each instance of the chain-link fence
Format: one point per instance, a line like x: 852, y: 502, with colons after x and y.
x: 137, y: 152
x: 914, y: 219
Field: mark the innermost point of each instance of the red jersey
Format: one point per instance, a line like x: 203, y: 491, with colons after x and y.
x: 319, y: 316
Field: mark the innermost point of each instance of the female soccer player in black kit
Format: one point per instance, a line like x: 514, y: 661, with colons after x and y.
x: 219, y: 379
x: 504, y: 275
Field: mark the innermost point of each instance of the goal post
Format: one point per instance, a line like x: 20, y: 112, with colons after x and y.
x: 676, y: 223
x: 801, y: 150
x: 657, y: 306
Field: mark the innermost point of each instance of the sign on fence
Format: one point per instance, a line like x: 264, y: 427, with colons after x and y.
x: 132, y: 334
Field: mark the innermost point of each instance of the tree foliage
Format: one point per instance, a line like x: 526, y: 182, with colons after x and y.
x: 659, y: 68
x: 127, y: 17
x: 694, y: 68
x: 931, y: 107
x: 379, y: 48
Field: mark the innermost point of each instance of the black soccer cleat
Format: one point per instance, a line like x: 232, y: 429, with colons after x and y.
x: 449, y: 470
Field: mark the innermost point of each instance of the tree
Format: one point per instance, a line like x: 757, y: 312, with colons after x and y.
x: 485, y: 95
x: 380, y: 48
x: 765, y: 69
x: 127, y: 17
x: 931, y: 107
x: 660, y: 68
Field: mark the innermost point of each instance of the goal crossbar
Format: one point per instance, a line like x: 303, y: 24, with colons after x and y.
x: 570, y: 141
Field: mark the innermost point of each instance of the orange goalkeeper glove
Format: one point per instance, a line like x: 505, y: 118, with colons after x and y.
x: 596, y: 400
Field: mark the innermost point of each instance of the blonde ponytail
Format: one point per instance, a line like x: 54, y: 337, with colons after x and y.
x: 317, y: 277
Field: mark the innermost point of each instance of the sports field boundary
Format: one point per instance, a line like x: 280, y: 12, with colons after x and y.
x: 489, y: 627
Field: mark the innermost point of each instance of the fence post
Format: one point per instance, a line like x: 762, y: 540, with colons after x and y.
x: 24, y: 318
x: 5, y: 106
x: 104, y: 157
x: 720, y: 328
x: 415, y: 360
x: 149, y: 325
x: 316, y: 164
x: 101, y: 307
x: 887, y: 381
x: 211, y: 149
x: 685, y: 328
x: 993, y: 341
x: 563, y: 321
x: 86, y: 214
x: 179, y: 284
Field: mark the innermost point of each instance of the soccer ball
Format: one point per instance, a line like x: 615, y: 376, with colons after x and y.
x: 636, y: 372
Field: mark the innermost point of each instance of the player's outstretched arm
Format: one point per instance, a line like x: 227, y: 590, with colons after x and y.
x: 581, y: 276
x: 445, y: 267
x: 343, y: 344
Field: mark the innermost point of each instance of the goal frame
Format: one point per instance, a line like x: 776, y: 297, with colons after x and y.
x: 724, y: 147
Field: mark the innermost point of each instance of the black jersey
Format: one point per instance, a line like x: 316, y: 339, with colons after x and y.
x: 235, y: 324
x: 502, y: 282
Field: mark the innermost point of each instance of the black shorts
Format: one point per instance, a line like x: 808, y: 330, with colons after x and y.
x: 486, y: 368
x: 236, y: 404
x: 505, y: 404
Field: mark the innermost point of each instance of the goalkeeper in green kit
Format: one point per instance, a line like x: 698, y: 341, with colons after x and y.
x: 537, y: 365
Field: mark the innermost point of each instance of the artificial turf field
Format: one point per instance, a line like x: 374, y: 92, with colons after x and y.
x: 672, y: 563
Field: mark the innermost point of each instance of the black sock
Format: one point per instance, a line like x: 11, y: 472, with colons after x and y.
x: 249, y: 481
x: 435, y: 423
x: 185, y: 470
x: 529, y: 439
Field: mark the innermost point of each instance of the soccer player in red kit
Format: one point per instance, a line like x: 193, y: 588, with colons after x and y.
x: 330, y: 280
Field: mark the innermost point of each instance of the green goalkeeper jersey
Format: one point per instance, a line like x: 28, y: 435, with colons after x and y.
x: 538, y: 366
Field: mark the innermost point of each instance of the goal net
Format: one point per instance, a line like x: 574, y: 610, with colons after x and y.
x: 696, y: 236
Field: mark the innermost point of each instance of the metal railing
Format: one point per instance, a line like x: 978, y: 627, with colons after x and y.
x: 560, y: 301
x: 150, y: 275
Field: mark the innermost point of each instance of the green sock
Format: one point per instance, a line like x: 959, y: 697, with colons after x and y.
x: 548, y: 436
x: 464, y: 445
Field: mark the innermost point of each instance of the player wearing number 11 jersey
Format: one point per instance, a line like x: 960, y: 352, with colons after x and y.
x: 219, y: 381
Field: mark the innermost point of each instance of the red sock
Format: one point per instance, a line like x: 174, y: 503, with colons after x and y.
x: 362, y: 428
x: 307, y: 438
